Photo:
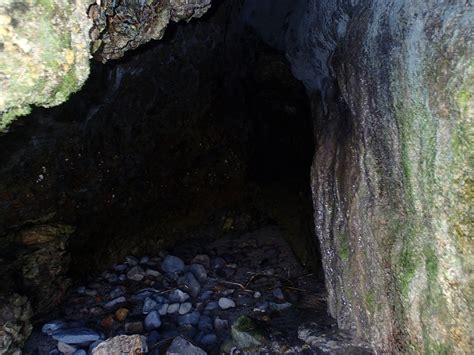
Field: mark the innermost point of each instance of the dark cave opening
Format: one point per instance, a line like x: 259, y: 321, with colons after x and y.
x: 202, y: 155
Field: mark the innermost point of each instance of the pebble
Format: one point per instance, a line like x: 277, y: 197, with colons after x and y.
x: 117, y: 292
x: 278, y: 294
x: 245, y: 301
x: 66, y: 348
x: 205, y: 324
x: 131, y: 260
x: 149, y: 305
x: 209, y: 339
x: 121, y: 314
x: 116, y: 302
x: 262, y: 306
x: 211, y: 306
x: 81, y: 290
x: 76, y: 336
x: 192, y: 285
x: 228, y: 292
x: 79, y: 352
x: 218, y: 262
x: 202, y: 259
x: 50, y: 327
x: 112, y: 278
x: 184, y: 347
x: 134, y: 327
x: 189, y: 319
x: 120, y: 267
x: 163, y: 309
x: 226, y: 303
x: 96, y: 311
x: 152, y: 337
x: 153, y: 273
x: 280, y: 306
x: 172, y: 264
x: 152, y: 320
x: 136, y: 273
x: 205, y: 295
x: 90, y: 292
x: 107, y: 322
x: 173, y: 308
x: 257, y: 294
x: 185, y: 308
x: 220, y: 324
x: 144, y: 259
x: 199, y: 272
x: 178, y: 296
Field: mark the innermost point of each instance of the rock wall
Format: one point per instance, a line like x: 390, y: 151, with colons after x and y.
x: 391, y: 84
x: 45, y: 45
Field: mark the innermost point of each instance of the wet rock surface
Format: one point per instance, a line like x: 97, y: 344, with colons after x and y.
x: 224, y: 314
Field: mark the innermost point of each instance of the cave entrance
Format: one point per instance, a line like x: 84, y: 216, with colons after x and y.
x: 230, y: 199
x: 227, y: 237
x: 198, y: 214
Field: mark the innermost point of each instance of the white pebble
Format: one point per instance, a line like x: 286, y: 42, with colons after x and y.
x: 226, y: 303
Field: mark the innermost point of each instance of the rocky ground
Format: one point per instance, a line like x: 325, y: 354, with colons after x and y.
x: 240, y: 293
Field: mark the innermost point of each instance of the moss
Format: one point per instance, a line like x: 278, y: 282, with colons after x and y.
x: 432, y: 265
x: 370, y: 300
x: 244, y: 324
x: 246, y: 335
x: 7, y: 117
x: 68, y: 85
x: 344, y: 249
x: 407, y: 270
x: 44, y: 52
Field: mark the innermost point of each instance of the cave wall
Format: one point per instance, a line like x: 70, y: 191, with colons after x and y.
x: 391, y: 86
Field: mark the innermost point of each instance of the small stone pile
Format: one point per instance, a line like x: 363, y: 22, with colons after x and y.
x: 217, y: 301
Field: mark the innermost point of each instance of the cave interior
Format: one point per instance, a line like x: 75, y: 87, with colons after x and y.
x: 267, y: 177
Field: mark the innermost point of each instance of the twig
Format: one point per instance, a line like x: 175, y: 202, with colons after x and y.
x: 237, y: 284
x: 295, y: 288
x: 172, y: 289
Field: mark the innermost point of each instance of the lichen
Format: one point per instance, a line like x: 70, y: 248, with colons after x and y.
x: 45, y: 54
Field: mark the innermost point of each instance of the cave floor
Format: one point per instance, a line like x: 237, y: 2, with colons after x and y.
x: 251, y: 278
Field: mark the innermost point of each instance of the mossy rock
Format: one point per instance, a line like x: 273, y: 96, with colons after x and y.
x: 44, y: 54
x: 246, y: 335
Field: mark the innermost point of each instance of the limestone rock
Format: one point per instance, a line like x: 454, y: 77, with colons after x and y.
x: 45, y: 45
x: 121, y: 26
x: 122, y: 344
x: 44, y: 55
